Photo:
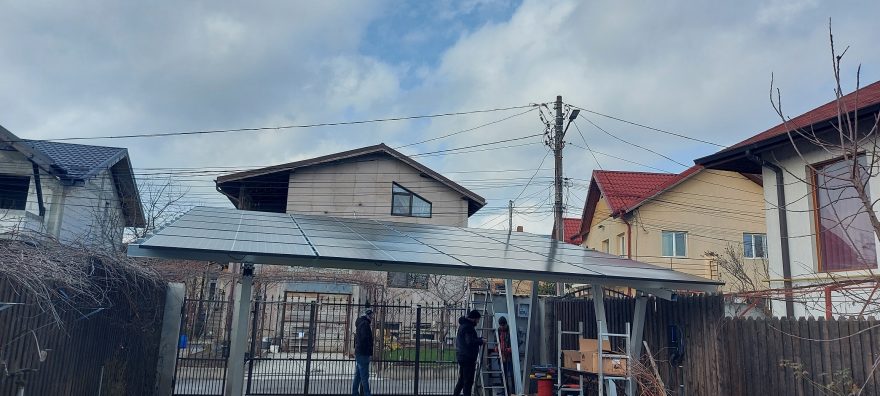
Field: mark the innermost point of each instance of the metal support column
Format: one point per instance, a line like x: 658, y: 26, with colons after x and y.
x: 514, y: 337
x: 598, y: 293
x: 531, y: 337
x: 638, y: 330
x: 238, y: 339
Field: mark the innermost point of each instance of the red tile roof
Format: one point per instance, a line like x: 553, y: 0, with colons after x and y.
x: 624, y: 191
x: 571, y: 228
x: 856, y: 100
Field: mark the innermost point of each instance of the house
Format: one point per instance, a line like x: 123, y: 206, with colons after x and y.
x: 673, y: 220
x: 571, y: 229
x: 822, y: 245
x: 375, y: 182
x: 70, y: 192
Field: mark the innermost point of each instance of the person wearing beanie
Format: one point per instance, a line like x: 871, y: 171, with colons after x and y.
x: 363, y: 350
x: 467, y: 345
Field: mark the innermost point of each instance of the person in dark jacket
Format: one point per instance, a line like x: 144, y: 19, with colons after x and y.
x: 504, y: 350
x: 467, y: 349
x: 363, y: 350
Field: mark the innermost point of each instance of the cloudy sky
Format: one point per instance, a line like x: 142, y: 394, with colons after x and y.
x: 702, y: 69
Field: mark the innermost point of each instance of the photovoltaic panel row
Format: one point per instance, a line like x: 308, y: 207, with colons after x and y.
x: 414, y: 247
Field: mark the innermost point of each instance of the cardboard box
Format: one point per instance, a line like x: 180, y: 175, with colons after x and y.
x: 571, y: 359
x: 589, y: 362
x: 592, y: 345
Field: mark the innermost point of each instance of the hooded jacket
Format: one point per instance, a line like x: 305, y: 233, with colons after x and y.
x: 467, y: 341
x: 363, y: 338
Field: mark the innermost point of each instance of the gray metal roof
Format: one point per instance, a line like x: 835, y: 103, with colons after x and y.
x: 229, y: 235
x: 79, y: 161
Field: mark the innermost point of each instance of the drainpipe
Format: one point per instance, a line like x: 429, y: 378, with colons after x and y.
x: 783, y: 229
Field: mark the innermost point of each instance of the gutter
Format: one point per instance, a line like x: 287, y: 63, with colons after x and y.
x: 783, y: 229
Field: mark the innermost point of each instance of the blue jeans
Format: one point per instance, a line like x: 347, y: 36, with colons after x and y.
x: 361, y: 375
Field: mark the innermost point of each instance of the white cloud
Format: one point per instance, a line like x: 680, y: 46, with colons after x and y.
x: 701, y: 69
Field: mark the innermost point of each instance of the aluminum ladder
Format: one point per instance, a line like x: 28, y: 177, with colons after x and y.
x: 485, y: 372
x: 626, y: 336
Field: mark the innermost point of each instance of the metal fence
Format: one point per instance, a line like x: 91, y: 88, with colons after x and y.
x: 304, y: 345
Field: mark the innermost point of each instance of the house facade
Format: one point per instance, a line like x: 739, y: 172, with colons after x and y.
x: 822, y: 245
x: 374, y: 182
x: 70, y: 192
x: 673, y: 220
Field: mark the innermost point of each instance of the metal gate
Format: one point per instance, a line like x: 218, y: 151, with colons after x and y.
x: 304, y: 345
x: 203, y: 347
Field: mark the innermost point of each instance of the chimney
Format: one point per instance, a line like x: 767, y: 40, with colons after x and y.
x: 519, y: 228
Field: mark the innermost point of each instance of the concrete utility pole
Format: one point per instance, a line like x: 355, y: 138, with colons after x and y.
x: 510, y: 217
x: 558, y: 144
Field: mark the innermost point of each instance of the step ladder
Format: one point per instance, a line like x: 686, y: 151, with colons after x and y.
x: 487, y: 375
x: 627, y: 378
x: 561, y: 389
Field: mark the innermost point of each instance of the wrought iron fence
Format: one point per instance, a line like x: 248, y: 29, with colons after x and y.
x: 304, y: 345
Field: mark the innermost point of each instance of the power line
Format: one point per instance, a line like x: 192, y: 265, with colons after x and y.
x: 465, y: 130
x: 280, y: 127
x: 650, y: 127
x: 633, y: 144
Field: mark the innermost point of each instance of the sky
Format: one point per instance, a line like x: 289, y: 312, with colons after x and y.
x: 700, y: 69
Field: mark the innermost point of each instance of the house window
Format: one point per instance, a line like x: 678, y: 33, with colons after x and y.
x: 845, y: 235
x: 407, y: 203
x: 755, y: 245
x: 14, y: 192
x: 606, y: 246
x: 621, y: 244
x: 674, y: 243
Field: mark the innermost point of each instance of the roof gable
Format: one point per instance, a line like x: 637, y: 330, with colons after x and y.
x: 475, y: 201
x: 76, y: 163
x: 625, y: 191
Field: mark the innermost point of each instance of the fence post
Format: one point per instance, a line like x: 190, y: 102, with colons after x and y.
x: 253, y: 349
x: 310, y: 346
x: 418, y: 349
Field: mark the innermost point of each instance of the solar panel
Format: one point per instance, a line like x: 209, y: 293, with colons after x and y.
x: 220, y: 234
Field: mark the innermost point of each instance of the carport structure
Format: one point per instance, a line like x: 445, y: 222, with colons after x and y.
x: 229, y: 235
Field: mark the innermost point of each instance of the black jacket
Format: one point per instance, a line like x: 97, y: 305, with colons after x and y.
x: 363, y: 337
x: 467, y: 341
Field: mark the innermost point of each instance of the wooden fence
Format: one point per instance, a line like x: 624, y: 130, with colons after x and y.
x: 736, y: 356
x: 109, y: 350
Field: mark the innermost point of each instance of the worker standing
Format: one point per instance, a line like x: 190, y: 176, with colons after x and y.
x: 363, y: 350
x: 467, y: 344
x: 506, y: 353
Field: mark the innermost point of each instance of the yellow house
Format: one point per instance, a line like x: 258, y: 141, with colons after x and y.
x: 674, y: 220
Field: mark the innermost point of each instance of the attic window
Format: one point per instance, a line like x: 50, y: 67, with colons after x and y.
x: 407, y: 203
x: 14, y: 192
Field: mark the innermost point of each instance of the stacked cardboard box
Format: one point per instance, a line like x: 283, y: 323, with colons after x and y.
x: 586, y: 358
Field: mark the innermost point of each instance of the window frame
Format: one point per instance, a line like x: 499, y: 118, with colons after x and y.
x: 754, y: 256
x: 673, y: 243
x: 606, y: 246
x: 621, y: 244
x: 813, y: 172
x: 20, y: 179
x: 411, y: 195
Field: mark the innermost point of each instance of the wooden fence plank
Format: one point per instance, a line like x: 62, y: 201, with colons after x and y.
x: 815, y: 352
x: 859, y: 359
x: 835, y: 354
x: 804, y: 353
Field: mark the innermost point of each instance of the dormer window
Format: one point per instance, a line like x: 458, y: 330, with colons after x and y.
x: 14, y: 192
x: 407, y: 203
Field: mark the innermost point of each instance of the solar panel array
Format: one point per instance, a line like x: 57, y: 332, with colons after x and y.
x: 324, y: 241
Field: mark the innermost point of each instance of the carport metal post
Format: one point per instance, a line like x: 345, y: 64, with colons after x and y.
x: 514, y: 337
x: 238, y: 338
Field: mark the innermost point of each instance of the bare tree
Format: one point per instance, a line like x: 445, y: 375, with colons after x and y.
x: 162, y: 200
x: 853, y: 139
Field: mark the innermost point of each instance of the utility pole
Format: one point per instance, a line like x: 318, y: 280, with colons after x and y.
x: 509, y: 217
x: 558, y: 144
